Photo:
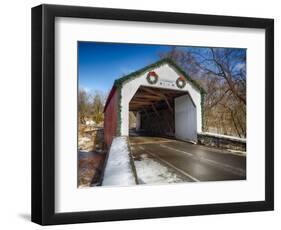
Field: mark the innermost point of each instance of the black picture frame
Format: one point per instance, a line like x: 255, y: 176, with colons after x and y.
x: 43, y: 114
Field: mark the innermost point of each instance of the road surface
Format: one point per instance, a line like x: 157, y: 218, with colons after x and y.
x: 194, y: 162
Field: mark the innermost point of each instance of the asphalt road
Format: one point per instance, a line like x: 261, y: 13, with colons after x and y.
x: 194, y: 162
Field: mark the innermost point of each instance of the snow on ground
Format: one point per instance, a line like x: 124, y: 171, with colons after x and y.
x: 150, y: 171
x: 118, y: 170
x: 85, y: 143
x: 237, y: 152
x: 224, y: 136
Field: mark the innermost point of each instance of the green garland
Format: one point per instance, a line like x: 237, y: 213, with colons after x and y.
x: 203, y: 94
x: 135, y: 74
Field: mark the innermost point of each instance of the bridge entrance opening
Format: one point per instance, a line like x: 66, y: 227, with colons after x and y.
x: 163, y: 112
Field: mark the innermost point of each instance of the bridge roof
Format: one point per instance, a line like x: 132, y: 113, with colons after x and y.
x: 120, y: 81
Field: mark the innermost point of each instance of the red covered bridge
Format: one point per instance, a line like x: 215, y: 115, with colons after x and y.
x: 164, y: 99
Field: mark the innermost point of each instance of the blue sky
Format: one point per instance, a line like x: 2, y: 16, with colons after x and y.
x: 99, y: 64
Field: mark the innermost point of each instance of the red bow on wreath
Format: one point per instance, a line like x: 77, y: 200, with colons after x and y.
x: 180, y: 82
x: 152, y: 73
x: 181, y: 78
x: 152, y: 77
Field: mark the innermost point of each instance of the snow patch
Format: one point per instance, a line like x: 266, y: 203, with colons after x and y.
x: 223, y: 136
x: 118, y: 170
x: 150, y: 171
x: 242, y: 153
x: 85, y: 144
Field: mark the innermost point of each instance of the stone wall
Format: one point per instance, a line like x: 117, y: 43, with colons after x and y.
x: 221, y: 141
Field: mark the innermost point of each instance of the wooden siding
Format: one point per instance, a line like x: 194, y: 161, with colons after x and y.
x: 111, y: 118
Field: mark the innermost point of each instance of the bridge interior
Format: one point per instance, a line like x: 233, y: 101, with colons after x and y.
x: 154, y: 109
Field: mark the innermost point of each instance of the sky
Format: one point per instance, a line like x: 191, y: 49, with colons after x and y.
x: 99, y: 64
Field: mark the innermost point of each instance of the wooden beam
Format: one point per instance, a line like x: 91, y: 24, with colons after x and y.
x: 140, y: 102
x: 146, y: 114
x: 138, y: 107
x: 167, y: 121
x: 151, y: 101
x: 163, y: 96
x: 169, y: 106
x: 154, y: 92
x: 148, y: 96
x: 155, y: 110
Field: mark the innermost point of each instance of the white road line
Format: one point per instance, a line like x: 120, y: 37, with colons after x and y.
x: 172, y: 166
x: 226, y: 167
x: 150, y: 142
x: 177, y: 150
x: 226, y: 152
x: 221, y: 151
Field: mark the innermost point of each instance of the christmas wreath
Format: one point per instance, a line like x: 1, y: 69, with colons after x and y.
x: 181, y: 82
x: 152, y: 77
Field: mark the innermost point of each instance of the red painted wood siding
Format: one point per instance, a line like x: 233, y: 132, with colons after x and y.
x: 111, y: 118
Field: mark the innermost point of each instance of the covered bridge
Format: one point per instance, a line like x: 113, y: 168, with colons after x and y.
x: 164, y: 99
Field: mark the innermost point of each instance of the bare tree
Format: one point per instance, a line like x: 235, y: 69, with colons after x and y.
x: 83, y: 105
x: 222, y: 71
x: 90, y: 106
x: 97, y: 107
